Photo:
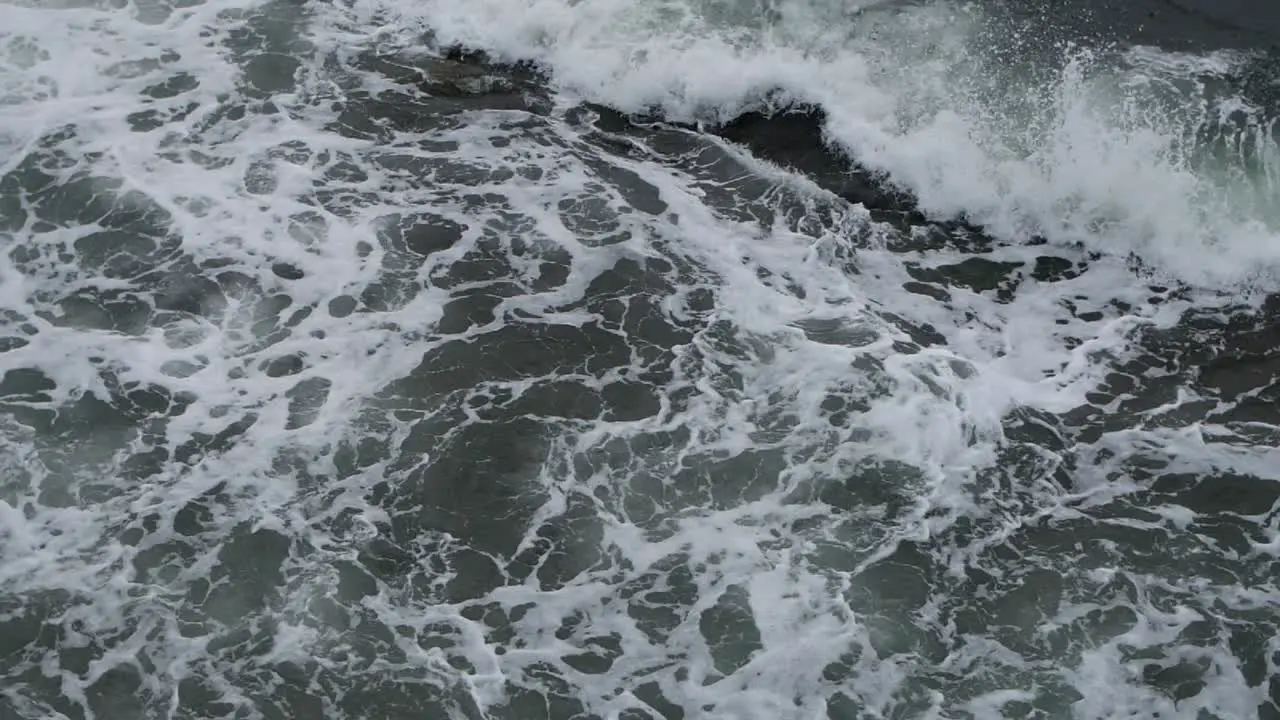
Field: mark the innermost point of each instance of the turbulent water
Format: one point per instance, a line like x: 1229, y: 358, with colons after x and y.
x: 649, y: 359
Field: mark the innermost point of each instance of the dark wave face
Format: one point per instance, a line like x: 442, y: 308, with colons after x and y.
x: 1174, y: 25
x: 664, y: 359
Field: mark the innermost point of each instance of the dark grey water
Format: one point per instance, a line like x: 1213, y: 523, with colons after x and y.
x: 344, y: 376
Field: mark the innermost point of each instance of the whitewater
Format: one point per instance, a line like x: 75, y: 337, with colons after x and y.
x: 653, y: 359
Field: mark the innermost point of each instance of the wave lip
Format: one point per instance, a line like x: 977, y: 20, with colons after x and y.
x: 1170, y: 157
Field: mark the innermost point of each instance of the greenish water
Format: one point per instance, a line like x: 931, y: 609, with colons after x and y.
x: 341, y: 381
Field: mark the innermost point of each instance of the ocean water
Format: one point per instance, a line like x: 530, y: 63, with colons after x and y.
x: 659, y: 359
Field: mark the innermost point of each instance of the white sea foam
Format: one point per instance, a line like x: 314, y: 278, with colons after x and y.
x: 743, y: 501
x: 1101, y: 150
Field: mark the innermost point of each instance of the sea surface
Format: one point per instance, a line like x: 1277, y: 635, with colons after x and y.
x: 639, y: 359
